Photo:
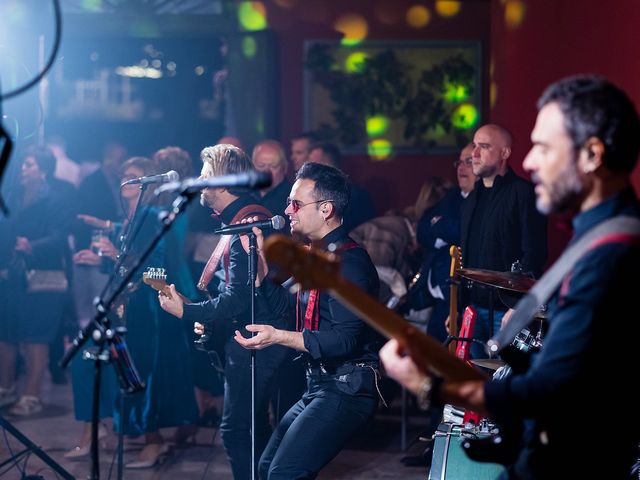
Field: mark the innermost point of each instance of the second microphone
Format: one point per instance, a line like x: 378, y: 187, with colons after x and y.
x: 276, y: 222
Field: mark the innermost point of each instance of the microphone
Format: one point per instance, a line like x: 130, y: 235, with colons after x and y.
x: 170, y: 176
x: 250, y: 179
x: 276, y: 222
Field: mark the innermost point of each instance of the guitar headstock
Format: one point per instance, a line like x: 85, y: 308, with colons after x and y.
x: 311, y: 268
x: 156, y: 278
x: 456, y: 259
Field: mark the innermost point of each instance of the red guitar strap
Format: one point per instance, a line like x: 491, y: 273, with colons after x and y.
x: 311, y: 320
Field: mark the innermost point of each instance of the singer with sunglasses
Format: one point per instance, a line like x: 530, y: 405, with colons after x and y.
x: 338, y: 349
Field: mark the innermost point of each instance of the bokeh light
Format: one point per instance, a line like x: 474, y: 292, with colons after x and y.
x: 17, y: 12
x: 448, y: 8
x: 465, y: 116
x: 438, y: 131
x: 252, y: 16
x: 514, y: 11
x: 493, y: 94
x: 387, y: 12
x: 377, y: 125
x: 418, y: 16
x: 455, y: 92
x: 354, y: 29
x: 379, y: 149
x: 249, y: 46
x: 92, y: 5
x: 355, y: 62
x: 143, y: 28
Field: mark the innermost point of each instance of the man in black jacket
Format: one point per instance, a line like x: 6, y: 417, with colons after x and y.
x: 230, y: 310
x: 500, y: 226
x: 339, y: 349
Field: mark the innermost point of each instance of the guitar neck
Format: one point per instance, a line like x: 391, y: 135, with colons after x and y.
x: 428, y: 353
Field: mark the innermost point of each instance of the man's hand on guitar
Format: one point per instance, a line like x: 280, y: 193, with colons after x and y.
x: 198, y: 328
x: 401, y: 367
x: 263, y: 267
x: 171, y: 302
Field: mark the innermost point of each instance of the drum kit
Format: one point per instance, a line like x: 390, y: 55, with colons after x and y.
x: 459, y: 428
x: 513, y: 284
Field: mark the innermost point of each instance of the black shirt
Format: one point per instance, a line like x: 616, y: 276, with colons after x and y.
x: 342, y: 337
x: 576, y: 423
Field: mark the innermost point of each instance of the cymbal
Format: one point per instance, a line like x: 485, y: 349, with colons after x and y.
x: 490, y: 363
x: 506, y: 280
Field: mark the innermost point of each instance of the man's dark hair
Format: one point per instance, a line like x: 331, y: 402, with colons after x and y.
x: 594, y: 107
x: 312, y: 137
x: 330, y: 184
x: 330, y: 151
x: 44, y: 158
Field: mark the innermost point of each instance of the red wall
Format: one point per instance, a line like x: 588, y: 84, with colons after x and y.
x: 559, y: 38
x: 394, y: 183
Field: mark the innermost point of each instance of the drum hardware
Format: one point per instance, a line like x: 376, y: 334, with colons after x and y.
x: 514, y: 282
x: 449, y: 459
x: 490, y: 363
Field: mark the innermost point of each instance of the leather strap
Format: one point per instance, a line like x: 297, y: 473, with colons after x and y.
x: 615, y: 229
x: 224, y: 245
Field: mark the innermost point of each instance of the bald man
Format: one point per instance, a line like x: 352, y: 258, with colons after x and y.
x: 500, y: 226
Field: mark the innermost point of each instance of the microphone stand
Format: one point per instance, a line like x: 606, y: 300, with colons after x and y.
x: 253, y: 263
x: 100, y: 323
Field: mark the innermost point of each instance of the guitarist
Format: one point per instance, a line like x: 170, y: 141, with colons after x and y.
x: 586, y: 142
x: 230, y: 310
x: 339, y: 349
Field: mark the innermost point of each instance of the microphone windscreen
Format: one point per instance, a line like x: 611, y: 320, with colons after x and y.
x: 278, y: 222
x: 172, y: 176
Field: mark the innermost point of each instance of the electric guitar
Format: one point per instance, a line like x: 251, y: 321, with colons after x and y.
x: 209, y: 343
x: 456, y: 263
x: 315, y: 269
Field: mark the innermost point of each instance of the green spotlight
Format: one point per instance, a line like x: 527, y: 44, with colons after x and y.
x: 465, y: 116
x: 355, y: 62
x: 377, y: 125
x: 252, y: 16
x: 249, y: 47
x: 379, y: 149
x: 455, y: 92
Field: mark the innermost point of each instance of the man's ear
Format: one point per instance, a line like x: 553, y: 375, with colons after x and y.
x: 591, y: 155
x: 506, y: 152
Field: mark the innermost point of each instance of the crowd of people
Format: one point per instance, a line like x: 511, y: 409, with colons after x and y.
x: 318, y: 371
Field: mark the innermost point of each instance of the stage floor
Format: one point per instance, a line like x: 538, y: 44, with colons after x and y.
x: 373, y: 454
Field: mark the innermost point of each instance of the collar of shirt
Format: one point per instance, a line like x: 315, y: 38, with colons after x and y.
x: 334, y: 236
x: 609, y: 207
x: 226, y: 215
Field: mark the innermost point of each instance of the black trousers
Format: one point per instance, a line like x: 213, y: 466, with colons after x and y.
x: 318, y: 426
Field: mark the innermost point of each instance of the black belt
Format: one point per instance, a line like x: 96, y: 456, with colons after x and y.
x: 322, y: 369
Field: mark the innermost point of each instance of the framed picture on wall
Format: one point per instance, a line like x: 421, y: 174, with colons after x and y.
x: 392, y: 97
